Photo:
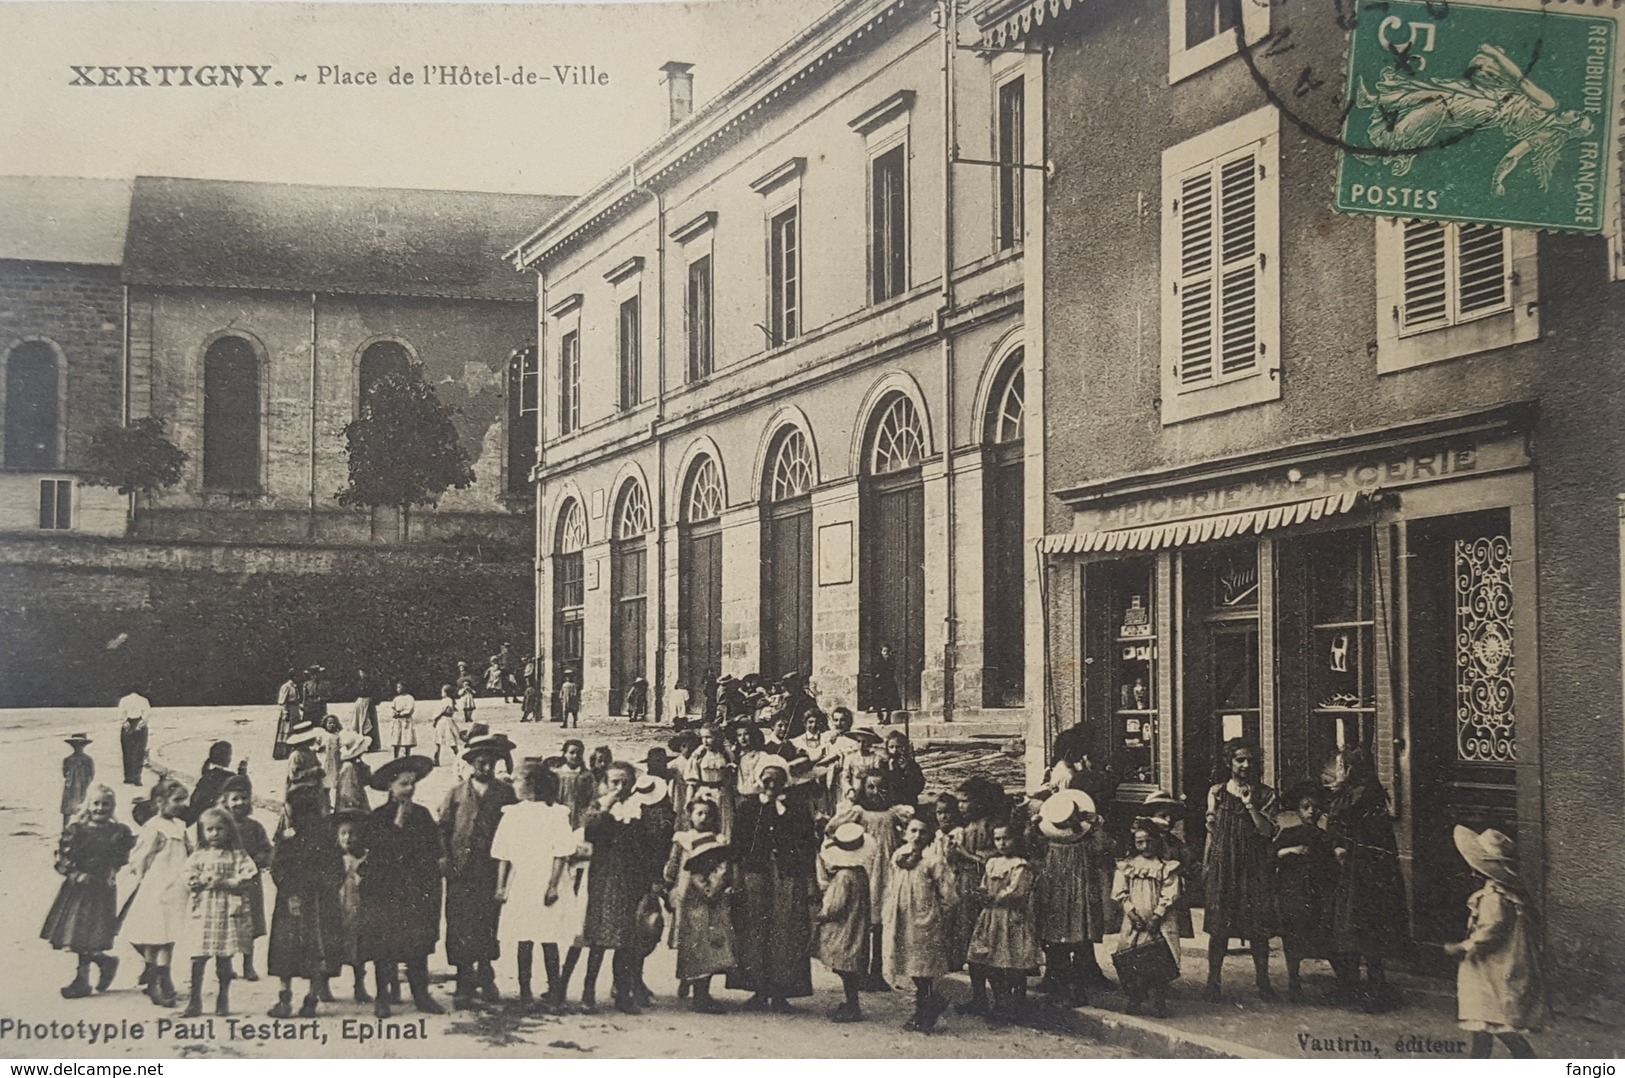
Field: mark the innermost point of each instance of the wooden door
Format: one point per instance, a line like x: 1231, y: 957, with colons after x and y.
x: 627, y: 647
x: 893, y: 592
x: 699, y: 609
x: 1463, y: 701
x: 787, y: 590
x: 1004, y: 652
x: 569, y: 591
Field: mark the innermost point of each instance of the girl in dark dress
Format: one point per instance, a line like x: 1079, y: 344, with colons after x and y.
x: 84, y: 917
x: 307, y: 924
x: 776, y: 843
x: 211, y: 782
x: 1304, y: 876
x: 400, y: 884
x: 621, y: 873
x: 1240, y: 871
x: 1369, y: 917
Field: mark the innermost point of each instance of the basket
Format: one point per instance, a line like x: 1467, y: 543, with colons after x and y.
x: 1146, y: 965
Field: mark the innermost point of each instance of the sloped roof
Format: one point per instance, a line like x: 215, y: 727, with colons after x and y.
x: 305, y: 238
x: 63, y: 219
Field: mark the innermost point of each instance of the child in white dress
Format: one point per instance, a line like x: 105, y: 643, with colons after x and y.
x: 541, y: 880
x: 155, y: 917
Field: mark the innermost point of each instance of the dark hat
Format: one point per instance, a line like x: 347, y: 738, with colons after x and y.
x: 350, y: 815
x: 706, y: 853
x: 496, y: 745
x: 237, y: 784
x: 78, y: 739
x: 387, y: 772
x: 656, y: 755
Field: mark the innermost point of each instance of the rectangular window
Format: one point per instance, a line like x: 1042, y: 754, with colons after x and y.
x: 1202, y: 33
x: 1453, y: 274
x: 56, y: 504
x: 1220, y: 270
x: 570, y: 382
x: 784, y: 315
x: 1012, y: 131
x: 888, y: 234
x: 631, y: 354
x: 700, y: 329
x: 1205, y: 19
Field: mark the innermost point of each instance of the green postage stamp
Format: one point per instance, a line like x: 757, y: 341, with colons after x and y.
x: 1495, y: 115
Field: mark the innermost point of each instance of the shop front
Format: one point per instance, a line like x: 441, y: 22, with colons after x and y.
x: 1375, y: 590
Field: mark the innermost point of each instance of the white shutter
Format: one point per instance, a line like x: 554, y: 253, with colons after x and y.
x: 1238, y: 252
x: 1426, y: 291
x: 1481, y: 279
x: 1195, y: 284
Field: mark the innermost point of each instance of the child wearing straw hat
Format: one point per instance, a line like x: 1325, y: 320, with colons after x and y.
x: 78, y: 772
x: 699, y: 881
x: 1500, y: 986
x: 1071, y: 898
x: 843, y: 918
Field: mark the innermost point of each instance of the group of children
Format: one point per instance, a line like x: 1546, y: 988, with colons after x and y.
x: 736, y: 839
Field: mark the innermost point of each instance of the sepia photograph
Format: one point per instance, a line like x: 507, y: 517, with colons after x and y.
x: 807, y: 529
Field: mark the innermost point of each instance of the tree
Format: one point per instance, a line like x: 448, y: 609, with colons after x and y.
x: 136, y: 459
x: 403, y: 449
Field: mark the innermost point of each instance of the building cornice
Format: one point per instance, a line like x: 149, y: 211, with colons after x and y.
x: 1007, y: 23
x: 629, y: 268
x: 825, y: 46
x: 778, y: 176
x: 875, y: 116
x: 565, y: 305
x: 687, y: 231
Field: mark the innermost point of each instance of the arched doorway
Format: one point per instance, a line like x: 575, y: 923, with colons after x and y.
x: 699, y: 578
x: 569, y: 592
x: 629, y: 593
x: 787, y: 557
x: 892, y: 605
x: 1004, y: 653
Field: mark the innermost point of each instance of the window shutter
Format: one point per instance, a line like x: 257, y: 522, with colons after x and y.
x: 1426, y: 291
x: 1482, y: 278
x: 1195, y: 283
x: 1238, y: 251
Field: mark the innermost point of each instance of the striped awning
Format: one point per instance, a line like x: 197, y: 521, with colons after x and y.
x: 1206, y: 529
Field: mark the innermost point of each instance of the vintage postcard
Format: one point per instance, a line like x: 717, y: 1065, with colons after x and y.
x: 858, y: 528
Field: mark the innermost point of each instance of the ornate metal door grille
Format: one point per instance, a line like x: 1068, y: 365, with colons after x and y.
x: 1484, y: 674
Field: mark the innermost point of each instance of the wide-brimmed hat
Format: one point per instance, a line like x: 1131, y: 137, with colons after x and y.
x: 656, y: 756
x: 848, y: 846
x: 354, y: 749
x: 774, y: 765
x: 303, y: 737
x: 864, y: 736
x: 1491, y: 853
x: 387, y: 772
x: 800, y: 770
x: 1066, y: 816
x: 350, y: 815
x: 1162, y: 801
x: 497, y: 745
x: 706, y: 853
x: 651, y: 789
x: 78, y: 739
x: 849, y: 836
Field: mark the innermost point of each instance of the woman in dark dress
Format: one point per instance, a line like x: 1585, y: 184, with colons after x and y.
x: 1369, y: 917
x: 1240, y: 871
x: 307, y: 923
x: 886, y: 692
x: 777, y: 844
x: 400, y: 884
x: 622, y: 872
x: 84, y: 917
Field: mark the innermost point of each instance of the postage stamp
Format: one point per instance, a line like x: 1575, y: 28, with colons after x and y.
x: 1491, y: 115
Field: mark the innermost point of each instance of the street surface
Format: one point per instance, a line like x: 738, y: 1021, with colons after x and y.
x: 180, y: 737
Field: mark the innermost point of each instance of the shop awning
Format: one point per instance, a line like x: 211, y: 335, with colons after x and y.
x: 1206, y: 529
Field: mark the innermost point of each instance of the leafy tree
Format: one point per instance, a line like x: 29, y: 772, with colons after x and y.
x: 136, y: 459
x: 403, y: 449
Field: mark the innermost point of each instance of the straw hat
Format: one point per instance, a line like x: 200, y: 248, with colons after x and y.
x: 848, y: 846
x: 1066, y: 816
x: 849, y: 836
x: 705, y: 853
x: 801, y: 770
x: 1163, y: 801
x: 1491, y: 853
x: 651, y: 789
x: 78, y: 739
x: 387, y: 772
x: 496, y: 745
x: 304, y: 737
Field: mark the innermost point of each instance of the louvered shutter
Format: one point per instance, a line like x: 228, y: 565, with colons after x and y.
x: 1481, y: 279
x: 1218, y: 270
x: 1427, y: 289
x: 1453, y: 273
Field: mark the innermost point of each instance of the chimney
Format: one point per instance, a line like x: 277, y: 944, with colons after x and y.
x: 679, y: 91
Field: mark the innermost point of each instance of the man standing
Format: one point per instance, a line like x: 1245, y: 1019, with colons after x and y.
x: 570, y: 700
x: 133, y: 734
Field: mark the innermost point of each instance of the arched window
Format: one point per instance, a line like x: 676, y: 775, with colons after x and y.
x: 704, y: 500
x: 898, y: 442
x: 699, y: 577
x: 379, y: 361
x: 1006, y: 411
x: 524, y: 400
x: 33, y: 407
x: 632, y: 518
x: 569, y: 592
x: 892, y: 529
x: 787, y: 556
x: 231, y: 416
x: 791, y: 473
x: 1004, y: 556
